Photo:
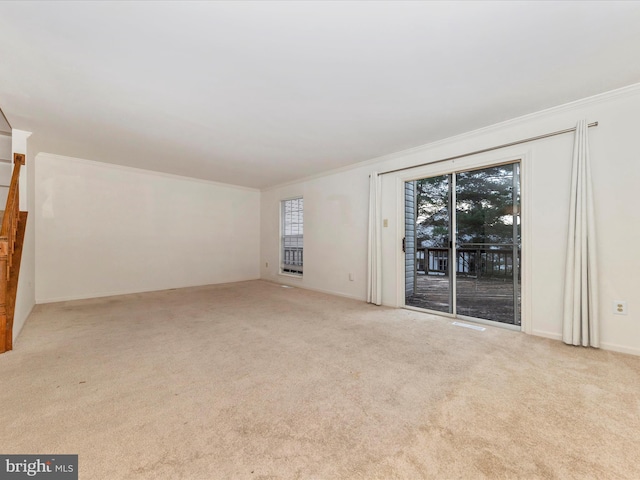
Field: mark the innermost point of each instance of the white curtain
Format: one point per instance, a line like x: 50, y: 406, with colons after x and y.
x: 374, y: 259
x: 581, y: 323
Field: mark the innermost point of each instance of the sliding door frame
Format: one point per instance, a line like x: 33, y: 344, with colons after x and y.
x: 462, y: 165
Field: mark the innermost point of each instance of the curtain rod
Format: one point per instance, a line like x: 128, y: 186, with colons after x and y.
x: 497, y: 147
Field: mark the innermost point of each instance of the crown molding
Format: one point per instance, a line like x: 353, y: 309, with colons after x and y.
x: 622, y: 92
x: 145, y: 172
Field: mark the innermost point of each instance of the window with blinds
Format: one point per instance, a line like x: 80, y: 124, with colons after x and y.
x: 292, y: 236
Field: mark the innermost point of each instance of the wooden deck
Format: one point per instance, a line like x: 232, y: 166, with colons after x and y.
x: 485, y: 297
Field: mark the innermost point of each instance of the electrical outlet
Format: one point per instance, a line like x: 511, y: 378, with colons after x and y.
x: 385, y: 222
x: 619, y: 307
x: 351, y: 277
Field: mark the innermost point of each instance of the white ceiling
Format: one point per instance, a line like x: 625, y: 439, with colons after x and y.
x: 261, y: 93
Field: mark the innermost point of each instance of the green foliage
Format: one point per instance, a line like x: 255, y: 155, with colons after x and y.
x: 432, y: 213
x: 484, y: 207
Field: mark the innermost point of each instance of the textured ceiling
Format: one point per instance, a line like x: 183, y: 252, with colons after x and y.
x: 261, y: 93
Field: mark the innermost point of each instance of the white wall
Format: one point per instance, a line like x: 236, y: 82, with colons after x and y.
x: 103, y: 230
x: 6, y: 144
x: 335, y: 233
x: 336, y: 213
x: 5, y: 167
x: 25, y: 296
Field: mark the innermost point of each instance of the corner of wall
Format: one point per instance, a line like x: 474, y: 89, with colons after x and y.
x: 26, y: 296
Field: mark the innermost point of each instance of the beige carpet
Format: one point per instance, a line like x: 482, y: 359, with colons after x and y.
x: 255, y: 381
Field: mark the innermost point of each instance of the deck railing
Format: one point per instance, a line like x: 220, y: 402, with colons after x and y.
x: 292, y: 260
x: 292, y: 254
x: 471, y: 261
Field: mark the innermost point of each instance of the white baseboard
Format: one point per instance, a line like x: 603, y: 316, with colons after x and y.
x: 551, y: 335
x: 40, y: 301
x: 604, y: 345
x: 319, y: 290
x: 620, y: 349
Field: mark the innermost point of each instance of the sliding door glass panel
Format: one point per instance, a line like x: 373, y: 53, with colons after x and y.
x: 487, y: 256
x: 427, y: 244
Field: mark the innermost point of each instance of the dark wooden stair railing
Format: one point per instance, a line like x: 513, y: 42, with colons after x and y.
x: 11, y: 240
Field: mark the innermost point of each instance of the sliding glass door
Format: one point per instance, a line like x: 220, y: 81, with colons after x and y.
x: 465, y: 229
